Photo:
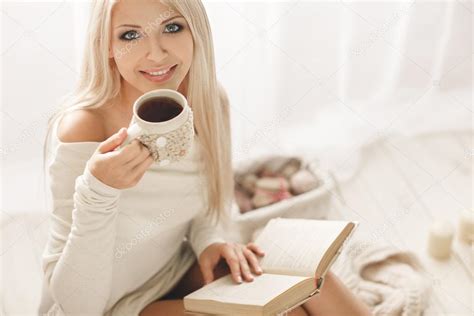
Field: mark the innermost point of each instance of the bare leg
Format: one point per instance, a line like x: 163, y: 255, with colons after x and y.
x: 164, y: 308
x: 335, y: 299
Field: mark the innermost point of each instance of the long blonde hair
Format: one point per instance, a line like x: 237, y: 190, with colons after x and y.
x: 99, y: 82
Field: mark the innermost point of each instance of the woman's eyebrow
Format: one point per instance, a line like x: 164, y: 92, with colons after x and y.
x: 173, y: 17
x: 138, y: 26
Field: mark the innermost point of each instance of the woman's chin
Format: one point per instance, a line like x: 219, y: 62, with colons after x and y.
x: 159, y: 86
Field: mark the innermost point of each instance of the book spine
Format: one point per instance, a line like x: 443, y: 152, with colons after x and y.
x: 289, y: 309
x: 319, y: 284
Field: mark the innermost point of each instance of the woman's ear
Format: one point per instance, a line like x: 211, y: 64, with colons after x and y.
x: 111, y: 52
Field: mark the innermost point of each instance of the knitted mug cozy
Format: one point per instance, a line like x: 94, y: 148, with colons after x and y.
x: 172, y: 146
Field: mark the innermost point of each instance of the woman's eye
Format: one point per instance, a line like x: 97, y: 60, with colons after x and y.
x: 172, y: 28
x: 130, y: 35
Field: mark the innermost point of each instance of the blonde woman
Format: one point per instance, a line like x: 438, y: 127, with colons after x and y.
x: 127, y: 236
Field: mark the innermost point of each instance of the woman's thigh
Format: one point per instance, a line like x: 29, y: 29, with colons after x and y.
x: 164, y: 308
x: 335, y: 299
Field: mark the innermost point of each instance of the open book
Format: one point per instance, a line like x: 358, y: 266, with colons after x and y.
x: 298, y: 253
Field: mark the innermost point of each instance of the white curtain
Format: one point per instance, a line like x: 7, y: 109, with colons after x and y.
x: 306, y: 75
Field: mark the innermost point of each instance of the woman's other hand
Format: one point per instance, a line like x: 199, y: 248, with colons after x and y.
x: 241, y: 259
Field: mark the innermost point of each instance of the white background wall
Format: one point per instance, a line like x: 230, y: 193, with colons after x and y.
x: 302, y: 76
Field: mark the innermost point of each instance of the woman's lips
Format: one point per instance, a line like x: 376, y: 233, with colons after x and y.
x: 161, y: 78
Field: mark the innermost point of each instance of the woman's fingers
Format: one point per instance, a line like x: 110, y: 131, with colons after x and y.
x: 252, y: 259
x: 240, y: 258
x: 140, y: 156
x: 112, y: 142
x: 139, y: 170
x: 252, y: 246
x: 128, y: 153
x: 207, y: 270
x: 244, y: 267
x: 233, y: 263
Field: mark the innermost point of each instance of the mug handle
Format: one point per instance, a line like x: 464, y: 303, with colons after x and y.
x: 132, y: 132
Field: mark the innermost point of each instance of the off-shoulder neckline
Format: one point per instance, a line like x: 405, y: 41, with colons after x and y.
x: 56, y: 138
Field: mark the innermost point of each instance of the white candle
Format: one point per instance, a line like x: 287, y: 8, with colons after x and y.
x: 440, y: 239
x: 466, y: 227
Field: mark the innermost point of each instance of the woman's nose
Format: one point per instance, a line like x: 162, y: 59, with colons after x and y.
x: 156, y: 51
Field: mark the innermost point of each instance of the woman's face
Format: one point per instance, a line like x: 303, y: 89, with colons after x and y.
x: 151, y: 44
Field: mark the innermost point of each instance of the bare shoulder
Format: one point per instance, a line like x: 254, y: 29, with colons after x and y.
x: 81, y: 125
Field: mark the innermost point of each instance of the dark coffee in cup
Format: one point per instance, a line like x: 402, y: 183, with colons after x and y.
x: 159, y: 109
x: 162, y: 121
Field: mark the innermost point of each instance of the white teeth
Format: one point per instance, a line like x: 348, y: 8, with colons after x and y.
x: 159, y: 73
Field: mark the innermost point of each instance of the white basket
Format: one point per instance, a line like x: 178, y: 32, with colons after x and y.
x: 314, y: 204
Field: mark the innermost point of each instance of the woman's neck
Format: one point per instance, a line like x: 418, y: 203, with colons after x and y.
x: 128, y: 96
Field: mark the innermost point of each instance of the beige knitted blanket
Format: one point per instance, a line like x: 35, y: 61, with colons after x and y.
x: 389, y: 280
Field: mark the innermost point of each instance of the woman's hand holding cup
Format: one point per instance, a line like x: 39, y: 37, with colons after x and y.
x: 161, y: 131
x: 122, y: 168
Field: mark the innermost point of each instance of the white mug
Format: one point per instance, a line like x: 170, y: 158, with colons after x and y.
x: 168, y: 141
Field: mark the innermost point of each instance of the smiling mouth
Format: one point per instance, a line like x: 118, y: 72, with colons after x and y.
x: 159, y: 76
x: 159, y: 73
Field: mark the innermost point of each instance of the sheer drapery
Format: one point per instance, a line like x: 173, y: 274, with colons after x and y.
x: 304, y: 75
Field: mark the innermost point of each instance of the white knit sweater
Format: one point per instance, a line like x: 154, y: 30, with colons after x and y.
x: 112, y: 249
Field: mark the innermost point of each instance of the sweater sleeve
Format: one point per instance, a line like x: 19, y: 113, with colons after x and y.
x: 77, y: 261
x: 203, y: 233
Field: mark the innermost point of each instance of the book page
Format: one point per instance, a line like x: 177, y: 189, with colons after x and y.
x: 295, y: 246
x: 260, y: 291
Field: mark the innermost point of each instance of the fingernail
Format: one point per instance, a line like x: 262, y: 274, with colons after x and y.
x: 259, y: 269
x: 239, y: 279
